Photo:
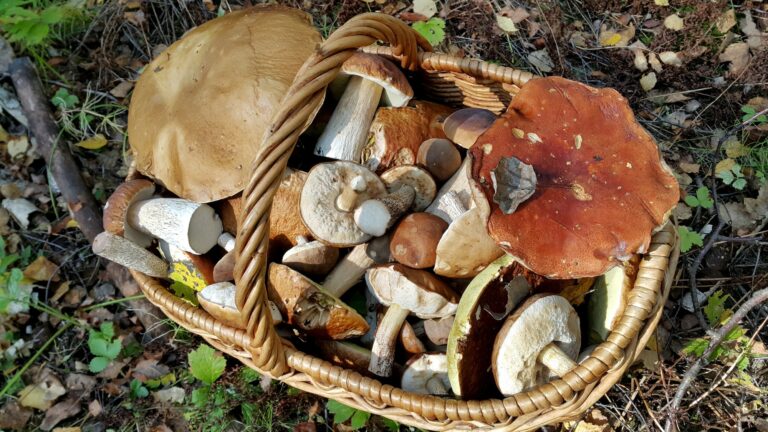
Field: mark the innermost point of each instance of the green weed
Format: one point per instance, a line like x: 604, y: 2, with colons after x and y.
x: 104, y: 346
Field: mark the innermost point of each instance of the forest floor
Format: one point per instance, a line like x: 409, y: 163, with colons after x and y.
x: 695, y: 72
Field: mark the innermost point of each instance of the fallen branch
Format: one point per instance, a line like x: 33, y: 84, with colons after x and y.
x: 758, y: 298
x: 64, y: 170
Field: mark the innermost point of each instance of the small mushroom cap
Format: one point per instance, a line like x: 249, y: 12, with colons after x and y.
x: 418, y: 291
x: 312, y: 258
x: 219, y: 300
x: 414, y: 240
x: 466, y: 234
x: 597, y: 169
x: 410, y: 341
x: 116, y: 210
x: 128, y: 254
x: 539, y: 321
x: 465, y: 125
x: 223, y: 270
x: 306, y: 305
x: 421, y: 369
x: 609, y: 299
x: 417, y: 178
x: 440, y: 157
x: 324, y: 184
x: 192, y: 127
x: 485, y: 304
x: 397, y: 90
x: 437, y: 330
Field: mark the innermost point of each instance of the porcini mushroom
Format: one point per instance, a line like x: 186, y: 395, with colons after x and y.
x: 465, y: 125
x: 410, y: 341
x: 455, y: 196
x: 597, y: 169
x: 404, y: 291
x: 419, y: 179
x: 307, y: 306
x: 542, y: 337
x: 224, y: 268
x: 195, y: 129
x: 375, y: 216
x: 128, y: 254
x: 485, y: 304
x: 426, y: 374
x: 414, y: 240
x: 116, y: 210
x: 609, y: 299
x: 345, y: 135
x: 330, y: 195
x: 438, y: 330
x: 311, y: 257
x: 219, y: 300
x: 440, y: 157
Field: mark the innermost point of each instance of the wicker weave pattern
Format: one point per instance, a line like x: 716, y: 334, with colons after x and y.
x: 259, y: 345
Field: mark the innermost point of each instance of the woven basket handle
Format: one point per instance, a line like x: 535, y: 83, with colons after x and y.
x: 301, y: 103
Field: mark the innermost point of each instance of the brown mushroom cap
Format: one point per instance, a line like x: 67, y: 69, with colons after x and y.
x: 440, y: 157
x: 312, y: 258
x: 193, y: 127
x: 414, y: 240
x: 602, y: 186
x: 397, y: 90
x: 115, y: 217
x: 465, y: 125
x: 219, y: 300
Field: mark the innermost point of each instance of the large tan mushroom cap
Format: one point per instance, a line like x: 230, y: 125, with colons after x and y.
x: 602, y: 186
x: 200, y: 109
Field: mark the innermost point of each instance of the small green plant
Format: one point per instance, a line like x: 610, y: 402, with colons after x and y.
x: 64, y: 100
x: 749, y: 112
x: 206, y: 364
x: 27, y: 25
x: 433, y: 30
x: 701, y: 199
x: 14, y: 292
x: 138, y: 390
x: 733, y: 177
x: 689, y: 238
x: 343, y: 413
x: 104, y: 346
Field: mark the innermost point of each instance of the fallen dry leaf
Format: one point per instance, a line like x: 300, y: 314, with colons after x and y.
x: 734, y: 148
x: 758, y: 207
x: 653, y: 60
x: 80, y: 382
x: 17, y: 146
x: 724, y: 165
x: 736, y: 215
x: 149, y: 369
x: 94, y: 408
x: 541, y: 60
x: 67, y: 429
x: 42, y: 394
x: 690, y: 168
x: 674, y: 22
x: 648, y: 81
x: 60, y: 411
x: 20, y: 209
x: 661, y: 2
x: 755, y: 38
x: 726, y: 21
x: 506, y: 24
x: 93, y: 143
x: 619, y: 38
x: 42, y: 270
x: 169, y: 395
x: 738, y: 55
x: 428, y: 8
x: 121, y: 90
x: 671, y: 58
x: 13, y: 416
x: 641, y: 61
x: 682, y: 212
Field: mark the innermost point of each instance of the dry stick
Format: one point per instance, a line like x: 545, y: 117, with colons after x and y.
x: 758, y: 298
x: 81, y: 203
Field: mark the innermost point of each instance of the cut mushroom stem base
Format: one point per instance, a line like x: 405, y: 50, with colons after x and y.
x: 190, y: 226
x: 556, y: 360
x: 375, y: 216
x: 348, y: 271
x: 383, y: 350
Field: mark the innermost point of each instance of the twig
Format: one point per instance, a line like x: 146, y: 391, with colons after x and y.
x: 758, y: 298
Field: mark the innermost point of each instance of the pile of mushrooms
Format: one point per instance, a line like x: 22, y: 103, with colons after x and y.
x: 449, y: 252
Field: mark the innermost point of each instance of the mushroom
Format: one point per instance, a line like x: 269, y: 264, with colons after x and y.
x: 375, y: 216
x: 311, y: 257
x: 404, y: 291
x: 224, y: 268
x: 426, y: 374
x: 192, y: 127
x: 414, y: 240
x: 485, y: 304
x: 542, y: 337
x: 465, y: 125
x: 437, y: 330
x: 128, y: 254
x: 596, y: 168
x: 194, y: 271
x: 306, y: 305
x: 219, y: 300
x: 345, y: 354
x: 417, y: 178
x: 609, y: 299
x: 116, y: 210
x: 331, y: 193
x: 467, y: 233
x: 440, y: 157
x: 397, y: 133
x: 455, y: 196
x: 410, y: 341
x: 345, y: 135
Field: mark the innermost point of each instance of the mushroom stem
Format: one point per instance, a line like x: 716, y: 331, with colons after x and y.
x: 383, y: 349
x: 345, y: 135
x: 190, y: 226
x: 375, y: 216
x: 453, y: 205
x: 129, y: 254
x: 226, y: 241
x: 435, y: 386
x: 458, y: 187
x: 348, y: 271
x: 556, y: 360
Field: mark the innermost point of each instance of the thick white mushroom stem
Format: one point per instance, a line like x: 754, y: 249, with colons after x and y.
x: 556, y: 360
x: 347, y: 199
x: 383, y: 349
x: 453, y: 205
x: 435, y: 386
x: 348, y: 271
x: 226, y: 241
x: 347, y: 131
x: 129, y: 254
x: 190, y: 226
x: 375, y: 216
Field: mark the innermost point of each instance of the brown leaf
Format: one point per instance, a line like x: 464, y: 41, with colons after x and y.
x: 121, y: 90
x: 67, y: 429
x: 726, y: 21
x: 43, y: 393
x: 738, y: 55
x: 13, y: 416
x: 149, y: 369
x: 736, y: 215
x: 305, y: 427
x: 690, y: 168
x: 60, y: 411
x: 758, y: 207
x: 41, y: 270
x: 94, y: 408
x: 80, y: 382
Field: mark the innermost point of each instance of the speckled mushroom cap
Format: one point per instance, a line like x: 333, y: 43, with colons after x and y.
x: 602, y: 186
x: 199, y: 110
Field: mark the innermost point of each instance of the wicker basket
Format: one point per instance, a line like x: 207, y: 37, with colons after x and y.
x: 449, y: 80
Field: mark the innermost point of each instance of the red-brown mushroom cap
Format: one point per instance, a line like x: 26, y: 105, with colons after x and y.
x: 602, y: 185
x: 115, y: 217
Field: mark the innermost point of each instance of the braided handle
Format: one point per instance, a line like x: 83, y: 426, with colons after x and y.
x: 298, y: 108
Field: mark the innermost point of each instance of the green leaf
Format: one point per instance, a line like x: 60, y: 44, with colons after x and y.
x: 98, y: 364
x: 63, y: 99
x: 249, y: 375
x: 715, y: 308
x: 696, y: 347
x: 691, y: 201
x: 736, y: 333
x: 702, y: 196
x: 726, y: 176
x: 743, y: 363
x: 96, y: 344
x: 750, y: 112
x: 206, y: 364
x: 138, y: 390
x: 52, y: 15
x: 341, y: 412
x: 107, y: 329
x: 200, y: 396
x: 433, y: 30
x: 739, y: 183
x: 689, y: 238
x: 359, y: 419
x: 392, y: 425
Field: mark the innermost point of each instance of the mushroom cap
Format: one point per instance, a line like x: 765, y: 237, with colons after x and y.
x: 609, y: 299
x: 414, y: 240
x: 195, y: 129
x: 539, y: 321
x: 422, y: 368
x: 485, y: 304
x: 438, y: 330
x: 597, y: 169
x: 115, y: 217
x: 313, y: 258
x: 397, y: 90
x: 465, y: 248
x: 219, y: 300
x: 465, y: 125
x: 440, y: 157
x: 417, y: 178
x: 324, y: 184
x: 418, y: 291
x: 223, y: 270
x: 306, y: 305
